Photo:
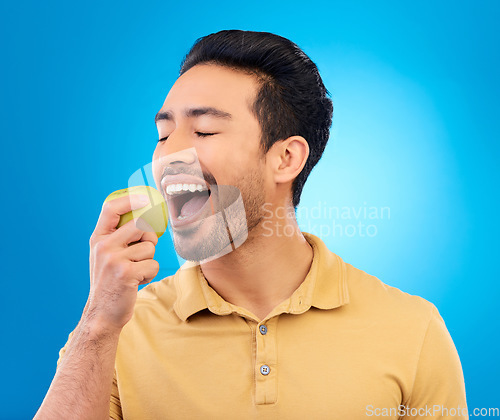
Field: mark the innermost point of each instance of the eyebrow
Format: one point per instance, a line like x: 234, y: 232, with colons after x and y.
x: 195, y: 112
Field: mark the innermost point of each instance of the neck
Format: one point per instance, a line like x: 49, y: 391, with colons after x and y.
x: 265, y: 270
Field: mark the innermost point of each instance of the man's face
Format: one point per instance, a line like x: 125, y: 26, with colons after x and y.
x: 212, y: 147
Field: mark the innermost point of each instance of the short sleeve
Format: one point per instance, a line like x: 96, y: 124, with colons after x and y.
x: 115, y: 409
x: 63, y: 350
x: 438, y: 390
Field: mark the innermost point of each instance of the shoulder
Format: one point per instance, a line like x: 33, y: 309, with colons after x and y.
x: 371, y: 297
x: 400, y: 322
x: 370, y: 300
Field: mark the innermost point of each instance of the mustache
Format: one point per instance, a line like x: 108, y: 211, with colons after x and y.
x: 187, y: 170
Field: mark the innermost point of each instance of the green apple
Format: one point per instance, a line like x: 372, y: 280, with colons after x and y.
x: 155, y: 213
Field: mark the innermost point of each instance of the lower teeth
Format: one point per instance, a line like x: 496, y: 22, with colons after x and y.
x: 181, y: 217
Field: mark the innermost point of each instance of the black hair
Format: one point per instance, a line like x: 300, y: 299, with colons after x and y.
x: 292, y: 99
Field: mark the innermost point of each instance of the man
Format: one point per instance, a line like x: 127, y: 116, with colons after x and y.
x: 272, y: 326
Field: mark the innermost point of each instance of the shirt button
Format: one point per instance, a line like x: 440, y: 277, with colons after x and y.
x: 263, y: 329
x: 264, y: 369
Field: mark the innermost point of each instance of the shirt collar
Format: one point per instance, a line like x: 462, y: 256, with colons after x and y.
x: 325, y: 287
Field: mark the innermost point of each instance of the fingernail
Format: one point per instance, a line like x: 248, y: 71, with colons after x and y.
x: 144, y: 199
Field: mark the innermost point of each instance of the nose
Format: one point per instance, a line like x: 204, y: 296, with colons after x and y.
x: 185, y: 156
x: 181, y: 160
x: 178, y: 148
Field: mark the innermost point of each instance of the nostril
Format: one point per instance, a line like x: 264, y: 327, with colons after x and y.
x: 180, y: 157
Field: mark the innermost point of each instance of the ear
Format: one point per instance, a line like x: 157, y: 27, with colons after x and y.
x: 290, y: 157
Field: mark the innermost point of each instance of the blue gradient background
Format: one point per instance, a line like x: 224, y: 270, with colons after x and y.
x: 416, y: 95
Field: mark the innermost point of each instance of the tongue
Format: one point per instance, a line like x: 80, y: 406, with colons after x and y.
x: 193, y: 205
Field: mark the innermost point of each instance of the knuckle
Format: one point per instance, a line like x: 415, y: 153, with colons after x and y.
x: 101, y: 247
x: 105, y: 208
x: 132, y: 228
x: 150, y: 248
x: 109, y: 259
x: 124, y: 270
x: 151, y: 238
x: 108, y: 209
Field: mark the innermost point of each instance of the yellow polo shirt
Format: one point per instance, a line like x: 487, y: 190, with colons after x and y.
x: 343, y: 346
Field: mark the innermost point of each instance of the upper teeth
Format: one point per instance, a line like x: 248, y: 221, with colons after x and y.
x: 180, y: 188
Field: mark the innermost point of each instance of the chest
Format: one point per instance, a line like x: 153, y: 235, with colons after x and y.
x: 281, y: 369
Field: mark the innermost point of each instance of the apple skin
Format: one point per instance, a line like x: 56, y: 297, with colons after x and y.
x: 155, y: 213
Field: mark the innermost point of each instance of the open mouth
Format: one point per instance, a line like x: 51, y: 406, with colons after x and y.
x: 186, y: 202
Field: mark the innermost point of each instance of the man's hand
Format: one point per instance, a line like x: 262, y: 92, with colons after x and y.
x: 117, y: 268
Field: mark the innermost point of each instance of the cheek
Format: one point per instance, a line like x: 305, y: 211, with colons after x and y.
x: 217, y: 160
x: 227, y: 166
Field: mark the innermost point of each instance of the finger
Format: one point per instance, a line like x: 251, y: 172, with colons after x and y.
x: 141, y: 251
x: 112, y: 210
x: 129, y: 232
x: 148, y: 270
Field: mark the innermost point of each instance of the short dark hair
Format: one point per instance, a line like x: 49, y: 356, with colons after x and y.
x: 292, y: 99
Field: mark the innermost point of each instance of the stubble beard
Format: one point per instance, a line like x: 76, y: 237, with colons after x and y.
x: 193, y: 245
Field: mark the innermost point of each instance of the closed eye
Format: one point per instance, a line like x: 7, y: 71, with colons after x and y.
x: 198, y: 133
